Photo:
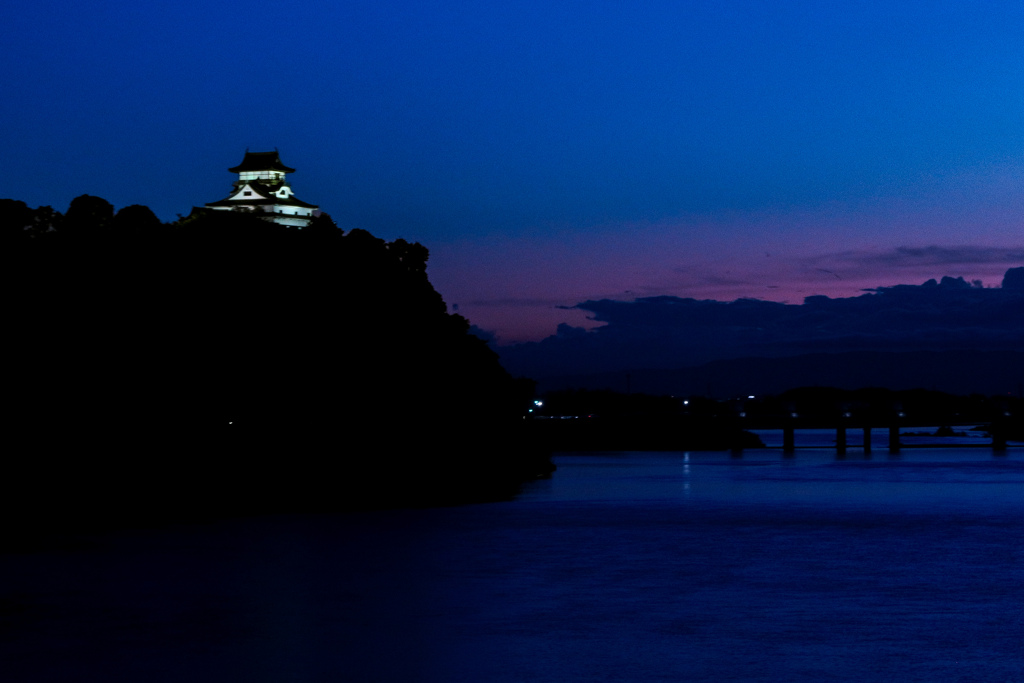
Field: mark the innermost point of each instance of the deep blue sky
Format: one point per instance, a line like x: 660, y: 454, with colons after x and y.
x: 554, y: 152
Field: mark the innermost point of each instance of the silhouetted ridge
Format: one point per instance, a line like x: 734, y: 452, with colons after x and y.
x: 226, y: 362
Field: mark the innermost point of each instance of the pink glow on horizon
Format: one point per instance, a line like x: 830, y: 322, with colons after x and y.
x: 514, y: 285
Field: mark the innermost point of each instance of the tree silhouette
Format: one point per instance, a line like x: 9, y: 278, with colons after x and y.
x: 15, y: 220
x: 135, y: 219
x: 88, y: 216
x: 329, y: 350
x: 322, y: 223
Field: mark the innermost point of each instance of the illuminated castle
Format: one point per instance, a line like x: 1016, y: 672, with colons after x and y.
x: 262, y: 185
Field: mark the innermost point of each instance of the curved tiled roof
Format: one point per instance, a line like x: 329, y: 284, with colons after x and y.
x: 264, y: 197
x: 273, y: 201
x: 261, y: 161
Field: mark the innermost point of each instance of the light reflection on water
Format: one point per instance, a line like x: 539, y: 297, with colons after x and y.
x: 623, y: 566
x: 914, y: 476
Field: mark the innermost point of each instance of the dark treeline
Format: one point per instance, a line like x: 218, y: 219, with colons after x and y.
x: 244, y: 363
x: 603, y: 420
x: 584, y: 419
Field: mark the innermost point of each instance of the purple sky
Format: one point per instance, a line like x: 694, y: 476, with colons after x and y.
x: 554, y: 152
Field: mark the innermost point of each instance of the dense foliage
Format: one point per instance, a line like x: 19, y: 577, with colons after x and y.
x: 223, y: 340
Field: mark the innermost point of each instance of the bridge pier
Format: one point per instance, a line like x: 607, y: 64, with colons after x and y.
x: 867, y: 440
x: 894, y: 438
x: 998, y: 437
x: 788, y: 439
x: 841, y: 439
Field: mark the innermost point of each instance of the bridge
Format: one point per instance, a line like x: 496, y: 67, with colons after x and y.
x: 999, y: 430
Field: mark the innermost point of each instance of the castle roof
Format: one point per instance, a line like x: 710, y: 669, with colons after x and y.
x: 264, y: 196
x: 261, y: 161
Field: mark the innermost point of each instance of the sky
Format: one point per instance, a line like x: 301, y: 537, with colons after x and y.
x: 558, y: 152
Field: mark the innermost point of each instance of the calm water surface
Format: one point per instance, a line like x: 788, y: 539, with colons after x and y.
x: 621, y: 567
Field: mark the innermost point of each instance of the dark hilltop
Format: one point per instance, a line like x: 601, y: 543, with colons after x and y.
x: 224, y: 364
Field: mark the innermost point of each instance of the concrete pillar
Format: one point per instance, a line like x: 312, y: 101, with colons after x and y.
x: 894, y: 438
x: 788, y: 439
x: 841, y: 439
x: 998, y: 436
x: 867, y: 439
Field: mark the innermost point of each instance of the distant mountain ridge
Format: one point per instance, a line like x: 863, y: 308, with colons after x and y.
x: 955, y: 372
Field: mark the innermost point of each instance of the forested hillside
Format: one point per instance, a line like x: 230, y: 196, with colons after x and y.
x: 224, y: 351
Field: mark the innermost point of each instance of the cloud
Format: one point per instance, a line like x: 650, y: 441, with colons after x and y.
x: 672, y: 332
x: 932, y: 255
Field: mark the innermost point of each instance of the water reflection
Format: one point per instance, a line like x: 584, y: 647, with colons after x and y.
x: 688, y: 566
x: 686, y: 475
x: 922, y: 475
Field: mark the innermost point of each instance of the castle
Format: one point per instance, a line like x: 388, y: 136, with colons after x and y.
x: 262, y: 185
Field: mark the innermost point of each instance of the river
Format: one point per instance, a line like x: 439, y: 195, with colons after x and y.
x: 621, y: 567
